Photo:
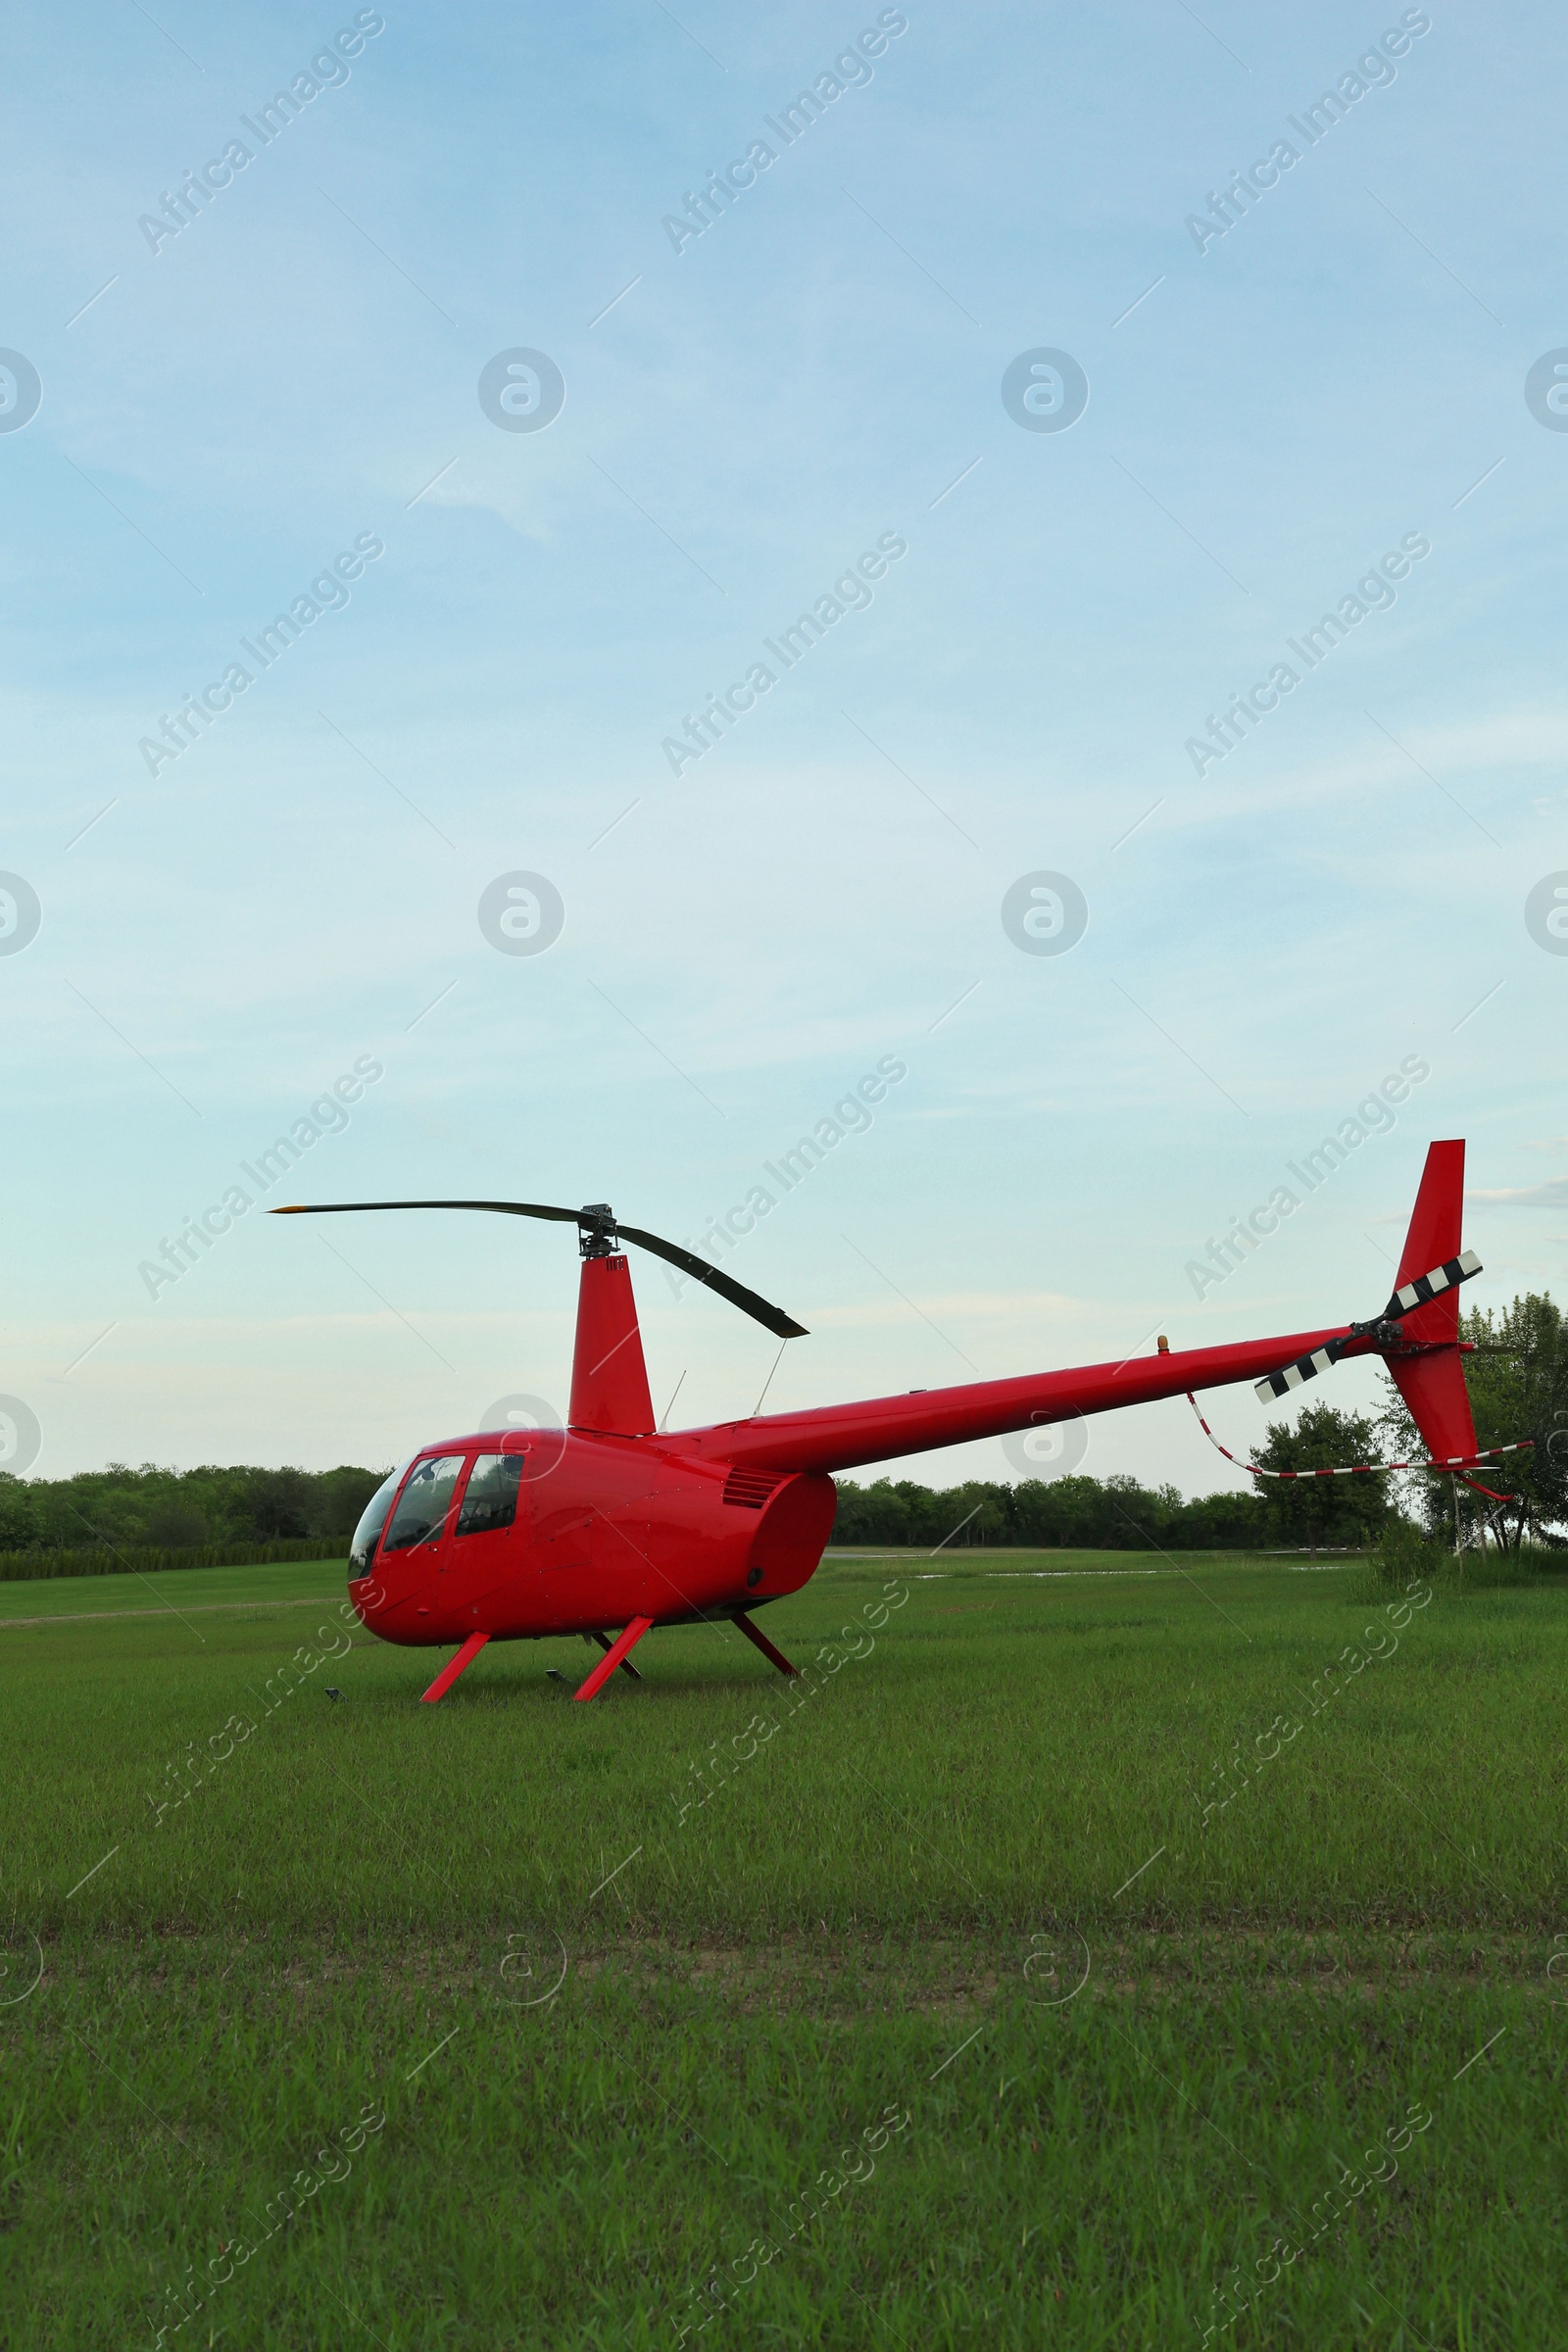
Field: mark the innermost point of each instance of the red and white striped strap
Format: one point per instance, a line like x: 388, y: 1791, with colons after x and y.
x: 1460, y: 1462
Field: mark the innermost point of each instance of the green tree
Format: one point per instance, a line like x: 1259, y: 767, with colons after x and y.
x: 1517, y: 1378
x: 19, y: 1522
x: 1223, y: 1522
x: 280, y: 1503
x: 1323, y: 1512
x: 341, y: 1496
x: 175, y: 1521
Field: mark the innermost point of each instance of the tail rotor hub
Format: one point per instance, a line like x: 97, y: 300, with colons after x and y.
x: 1384, y: 1331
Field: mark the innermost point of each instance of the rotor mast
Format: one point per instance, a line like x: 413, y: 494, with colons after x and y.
x: 610, y: 1392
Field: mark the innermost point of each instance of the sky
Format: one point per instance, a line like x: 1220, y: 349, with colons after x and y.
x: 974, y: 339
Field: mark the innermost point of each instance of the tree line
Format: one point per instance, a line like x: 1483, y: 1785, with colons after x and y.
x: 1516, y: 1373
x: 180, y: 1510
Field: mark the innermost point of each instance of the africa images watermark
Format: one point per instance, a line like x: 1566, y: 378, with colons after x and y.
x: 1374, y: 1115
x: 849, y: 69
x: 328, y: 593
x: 326, y: 1115
x: 1373, y: 69
x: 849, y: 1115
x: 851, y: 593
x: 1372, y: 593
x: 327, y: 70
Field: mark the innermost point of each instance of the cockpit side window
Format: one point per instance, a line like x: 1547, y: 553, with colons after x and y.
x: 490, y: 1500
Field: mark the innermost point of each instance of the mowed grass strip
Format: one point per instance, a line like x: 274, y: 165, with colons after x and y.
x: 668, y: 2141
x: 171, y: 1592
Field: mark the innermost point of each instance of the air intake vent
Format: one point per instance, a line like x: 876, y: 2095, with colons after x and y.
x: 749, y: 1489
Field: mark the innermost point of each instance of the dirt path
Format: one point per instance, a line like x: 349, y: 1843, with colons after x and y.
x: 200, y: 1609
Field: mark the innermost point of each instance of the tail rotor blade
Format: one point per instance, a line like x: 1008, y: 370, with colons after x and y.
x: 1404, y: 1301
x: 1431, y: 1286
x: 1306, y: 1367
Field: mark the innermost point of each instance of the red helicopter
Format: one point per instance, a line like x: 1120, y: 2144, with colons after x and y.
x: 611, y: 1524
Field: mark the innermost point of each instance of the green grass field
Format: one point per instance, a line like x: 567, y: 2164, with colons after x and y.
x: 1128, y: 1956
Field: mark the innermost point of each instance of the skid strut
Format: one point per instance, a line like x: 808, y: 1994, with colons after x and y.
x: 754, y: 1634
x: 454, y: 1667
x: 626, y: 1666
x: 612, y: 1657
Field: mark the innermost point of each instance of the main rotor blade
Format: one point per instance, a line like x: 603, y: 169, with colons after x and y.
x: 505, y: 1208
x: 772, y: 1318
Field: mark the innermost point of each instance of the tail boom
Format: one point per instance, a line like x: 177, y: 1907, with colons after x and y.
x: 835, y: 1438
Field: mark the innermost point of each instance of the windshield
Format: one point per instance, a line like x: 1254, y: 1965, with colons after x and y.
x: 424, y: 1502
x: 371, y: 1521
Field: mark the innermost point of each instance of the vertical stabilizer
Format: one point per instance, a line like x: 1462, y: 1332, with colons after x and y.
x: 1434, y: 1238
x: 1434, y: 1386
x: 609, y: 1378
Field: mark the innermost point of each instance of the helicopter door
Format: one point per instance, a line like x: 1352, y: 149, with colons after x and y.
x: 414, y: 1544
x: 486, y: 1545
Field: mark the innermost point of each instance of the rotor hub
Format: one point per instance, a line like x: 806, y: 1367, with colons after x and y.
x: 1382, y: 1329
x: 596, y: 1230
